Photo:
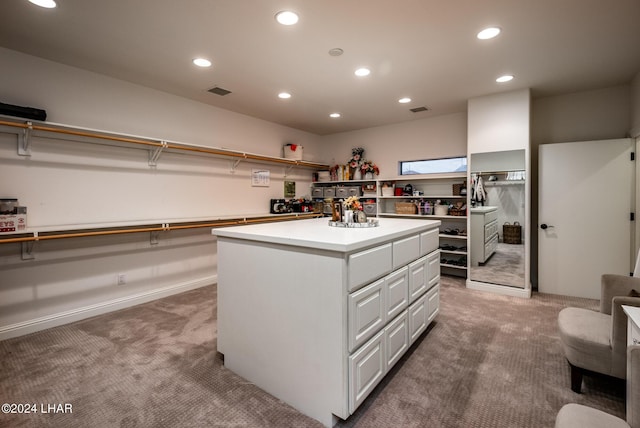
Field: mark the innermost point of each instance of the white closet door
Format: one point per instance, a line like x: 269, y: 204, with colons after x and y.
x: 585, y: 200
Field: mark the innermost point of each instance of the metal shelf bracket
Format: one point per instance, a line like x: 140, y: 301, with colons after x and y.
x: 24, y: 140
x: 154, y: 154
x: 288, y: 170
x: 27, y: 249
x: 153, y: 237
x: 234, y: 165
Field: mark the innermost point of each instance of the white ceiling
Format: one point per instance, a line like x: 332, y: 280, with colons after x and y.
x: 423, y: 49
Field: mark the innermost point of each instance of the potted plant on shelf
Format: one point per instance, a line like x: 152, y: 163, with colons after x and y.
x: 354, y: 163
x: 368, y: 169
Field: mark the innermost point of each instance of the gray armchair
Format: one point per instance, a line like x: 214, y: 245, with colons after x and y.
x: 597, y: 341
x: 579, y: 416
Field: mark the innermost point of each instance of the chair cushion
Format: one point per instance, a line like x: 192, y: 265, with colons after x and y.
x: 586, y: 338
x: 579, y: 416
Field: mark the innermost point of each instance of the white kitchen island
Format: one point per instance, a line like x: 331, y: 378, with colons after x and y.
x: 317, y: 315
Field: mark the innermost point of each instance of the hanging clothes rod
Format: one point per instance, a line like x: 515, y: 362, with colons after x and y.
x: 78, y: 132
x: 162, y: 228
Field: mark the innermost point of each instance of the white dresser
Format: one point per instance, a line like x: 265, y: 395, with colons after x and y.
x: 484, y: 234
x: 633, y: 324
x: 317, y: 315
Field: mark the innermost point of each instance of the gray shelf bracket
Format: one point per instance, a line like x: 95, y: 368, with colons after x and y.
x: 287, y: 170
x: 153, y: 237
x: 234, y: 165
x: 27, y: 250
x: 154, y: 154
x: 24, y: 140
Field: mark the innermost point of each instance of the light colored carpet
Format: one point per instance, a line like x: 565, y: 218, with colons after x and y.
x: 487, y: 361
x: 504, y: 267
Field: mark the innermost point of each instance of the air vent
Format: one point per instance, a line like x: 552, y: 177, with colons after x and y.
x: 219, y: 91
x: 419, y: 109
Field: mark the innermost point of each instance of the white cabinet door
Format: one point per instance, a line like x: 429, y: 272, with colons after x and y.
x: 417, y: 278
x: 366, y: 368
x: 367, y: 313
x: 418, y: 313
x: 433, y: 303
x: 433, y: 268
x: 397, y: 339
x: 397, y: 292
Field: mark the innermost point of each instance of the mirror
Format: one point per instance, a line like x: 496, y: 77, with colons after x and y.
x: 497, y: 218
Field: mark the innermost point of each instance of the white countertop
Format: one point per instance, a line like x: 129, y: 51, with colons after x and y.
x: 482, y: 210
x: 316, y: 233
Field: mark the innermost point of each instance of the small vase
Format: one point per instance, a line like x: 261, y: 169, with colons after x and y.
x: 368, y: 176
x: 348, y: 216
x: 357, y: 175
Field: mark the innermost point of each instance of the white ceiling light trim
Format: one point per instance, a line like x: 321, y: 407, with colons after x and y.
x: 505, y: 78
x: 286, y: 17
x: 49, y: 4
x: 335, y: 115
x: 404, y: 100
x: 202, y: 62
x: 489, y: 33
x: 362, y: 71
x: 284, y: 95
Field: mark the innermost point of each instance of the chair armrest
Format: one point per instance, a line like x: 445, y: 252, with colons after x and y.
x: 616, y: 285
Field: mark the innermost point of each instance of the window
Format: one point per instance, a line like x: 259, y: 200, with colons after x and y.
x: 433, y: 166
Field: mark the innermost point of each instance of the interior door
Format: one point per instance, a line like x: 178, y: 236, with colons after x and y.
x: 585, y: 200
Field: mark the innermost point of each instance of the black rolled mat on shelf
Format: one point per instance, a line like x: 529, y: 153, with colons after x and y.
x: 25, y: 112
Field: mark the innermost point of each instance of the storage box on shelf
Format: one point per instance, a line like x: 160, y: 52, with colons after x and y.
x: 417, y: 197
x: 365, y: 189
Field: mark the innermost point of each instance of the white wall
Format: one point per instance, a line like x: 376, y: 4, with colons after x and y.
x: 71, y: 183
x: 435, y: 137
x: 635, y: 106
x: 499, y: 122
x: 583, y: 116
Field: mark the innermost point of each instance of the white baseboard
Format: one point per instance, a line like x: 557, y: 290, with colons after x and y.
x: 61, y: 318
x: 499, y: 289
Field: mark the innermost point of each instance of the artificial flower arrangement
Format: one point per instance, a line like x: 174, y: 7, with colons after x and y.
x: 368, y: 166
x: 352, y: 203
x: 356, y: 157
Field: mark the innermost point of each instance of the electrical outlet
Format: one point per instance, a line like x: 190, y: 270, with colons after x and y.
x: 122, y: 279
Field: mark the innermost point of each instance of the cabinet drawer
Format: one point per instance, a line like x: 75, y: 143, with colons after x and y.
x: 368, y: 265
x: 429, y: 241
x: 397, y: 292
x: 418, y: 313
x: 406, y: 250
x: 366, y: 368
x: 367, y: 313
x: 433, y: 303
x: 433, y: 268
x: 342, y: 192
x: 417, y: 278
x: 396, y: 339
x: 353, y: 191
x: 491, y: 216
x: 317, y: 192
x: 490, y: 229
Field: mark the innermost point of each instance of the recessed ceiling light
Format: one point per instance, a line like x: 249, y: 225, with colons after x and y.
x: 404, y: 100
x: 335, y: 115
x: 505, y: 78
x: 284, y: 95
x: 286, y: 17
x: 488, y: 33
x: 336, y: 52
x: 49, y: 4
x: 362, y: 72
x: 202, y: 62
